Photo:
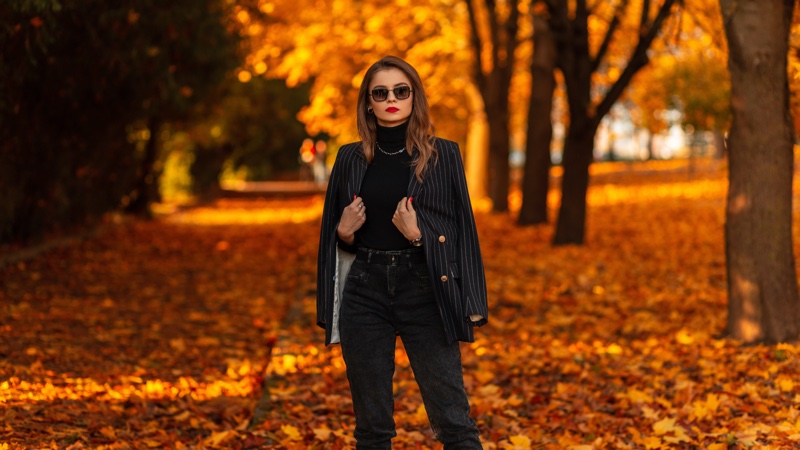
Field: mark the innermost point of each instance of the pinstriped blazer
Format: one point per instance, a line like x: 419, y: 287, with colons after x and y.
x: 444, y: 214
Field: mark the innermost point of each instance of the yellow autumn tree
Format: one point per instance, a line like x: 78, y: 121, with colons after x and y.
x: 331, y: 44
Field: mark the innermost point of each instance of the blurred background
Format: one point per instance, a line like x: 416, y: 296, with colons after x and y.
x: 675, y: 326
x: 125, y: 105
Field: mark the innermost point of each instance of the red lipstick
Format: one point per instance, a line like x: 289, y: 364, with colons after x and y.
x: 392, y: 109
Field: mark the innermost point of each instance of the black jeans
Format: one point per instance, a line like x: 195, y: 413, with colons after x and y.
x: 388, y: 294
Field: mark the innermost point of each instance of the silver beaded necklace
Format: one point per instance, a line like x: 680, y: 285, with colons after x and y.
x: 389, y: 153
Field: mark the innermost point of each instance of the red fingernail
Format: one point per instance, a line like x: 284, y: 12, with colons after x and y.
x: 354, y: 196
x: 410, y: 198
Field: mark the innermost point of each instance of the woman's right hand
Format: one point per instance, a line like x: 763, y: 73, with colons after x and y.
x: 353, y: 218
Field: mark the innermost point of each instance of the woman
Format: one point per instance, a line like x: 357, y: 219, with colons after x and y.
x: 399, y: 255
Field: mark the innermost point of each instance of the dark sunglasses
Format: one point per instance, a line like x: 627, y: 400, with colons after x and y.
x: 400, y: 92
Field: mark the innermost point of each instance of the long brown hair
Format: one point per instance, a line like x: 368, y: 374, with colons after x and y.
x: 420, y: 129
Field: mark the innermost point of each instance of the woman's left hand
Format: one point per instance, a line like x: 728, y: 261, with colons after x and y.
x: 405, y: 219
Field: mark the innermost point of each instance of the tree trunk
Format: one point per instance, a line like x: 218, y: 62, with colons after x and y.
x: 494, y: 88
x: 477, y: 152
x: 649, y: 145
x: 570, y: 23
x: 578, y: 155
x: 499, y: 143
x: 763, y: 302
x: 719, y: 144
x: 536, y: 179
x: 146, y: 183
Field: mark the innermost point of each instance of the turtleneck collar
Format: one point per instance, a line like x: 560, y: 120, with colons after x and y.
x: 393, y: 135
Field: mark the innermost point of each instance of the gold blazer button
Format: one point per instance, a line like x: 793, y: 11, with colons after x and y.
x: 444, y: 278
x: 441, y: 239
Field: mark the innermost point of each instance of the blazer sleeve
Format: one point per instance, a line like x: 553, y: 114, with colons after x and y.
x: 326, y: 259
x: 473, y: 277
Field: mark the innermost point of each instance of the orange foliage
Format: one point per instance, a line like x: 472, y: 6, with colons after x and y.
x: 333, y: 43
x: 159, y: 334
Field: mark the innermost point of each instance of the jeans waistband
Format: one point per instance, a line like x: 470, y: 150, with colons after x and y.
x: 391, y: 257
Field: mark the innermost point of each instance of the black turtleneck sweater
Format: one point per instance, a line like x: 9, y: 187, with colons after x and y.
x: 384, y: 185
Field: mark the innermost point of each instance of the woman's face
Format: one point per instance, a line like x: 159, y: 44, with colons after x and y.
x: 391, y: 111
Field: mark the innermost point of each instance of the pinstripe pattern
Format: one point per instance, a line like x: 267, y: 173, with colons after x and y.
x: 444, y: 213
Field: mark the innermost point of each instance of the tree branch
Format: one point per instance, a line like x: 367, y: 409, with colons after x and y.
x: 636, y: 62
x: 612, y: 28
x: 643, y: 23
x: 476, y: 46
x: 512, y: 24
x: 562, y: 29
x: 566, y: 56
x: 494, y: 32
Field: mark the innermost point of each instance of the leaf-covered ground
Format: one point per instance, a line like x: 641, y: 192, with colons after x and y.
x: 163, y: 334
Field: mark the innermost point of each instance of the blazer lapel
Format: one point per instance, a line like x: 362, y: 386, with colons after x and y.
x: 414, y: 186
x: 359, y: 170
